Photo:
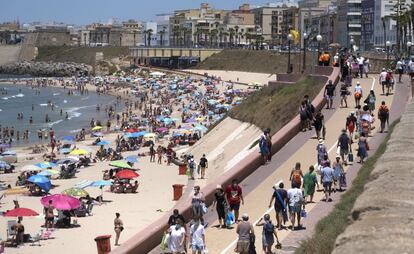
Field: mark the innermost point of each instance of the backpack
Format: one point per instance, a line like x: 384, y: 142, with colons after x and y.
x: 296, y: 177
x: 321, y: 149
x: 351, y: 125
x: 382, y: 112
x: 388, y: 77
x: 192, y: 165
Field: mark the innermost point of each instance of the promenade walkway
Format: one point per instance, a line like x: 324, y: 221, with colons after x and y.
x: 257, y: 187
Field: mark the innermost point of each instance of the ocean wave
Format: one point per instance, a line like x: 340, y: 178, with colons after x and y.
x: 43, y: 104
x: 85, y: 98
x: 54, y: 123
x: 56, y: 94
x: 75, y: 131
x: 19, y: 95
x: 1, y: 109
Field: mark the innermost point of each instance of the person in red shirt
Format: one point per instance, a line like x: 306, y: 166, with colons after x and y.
x: 234, y: 196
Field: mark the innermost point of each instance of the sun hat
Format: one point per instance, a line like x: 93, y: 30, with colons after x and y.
x: 321, y: 141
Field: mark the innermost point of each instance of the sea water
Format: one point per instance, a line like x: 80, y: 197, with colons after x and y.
x: 15, y: 99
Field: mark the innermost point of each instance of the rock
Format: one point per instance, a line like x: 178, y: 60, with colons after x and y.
x: 46, y: 69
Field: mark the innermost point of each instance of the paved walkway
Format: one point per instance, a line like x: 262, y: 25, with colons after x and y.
x: 258, y: 186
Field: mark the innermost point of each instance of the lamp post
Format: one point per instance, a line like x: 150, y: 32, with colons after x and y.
x: 289, y: 37
x: 352, y: 42
x: 409, y: 44
x: 305, y: 38
x: 388, y: 44
x: 319, y: 39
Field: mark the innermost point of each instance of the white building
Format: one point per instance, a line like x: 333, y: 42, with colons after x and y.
x: 163, y: 28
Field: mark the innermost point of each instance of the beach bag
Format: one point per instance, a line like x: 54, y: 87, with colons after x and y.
x: 303, y: 213
x: 229, y: 219
x: 164, y: 241
x: 268, y: 228
x: 357, y: 95
x: 342, y: 181
x: 350, y: 156
x: 252, y: 246
x: 204, y: 208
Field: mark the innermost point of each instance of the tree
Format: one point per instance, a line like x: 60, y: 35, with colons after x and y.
x: 175, y: 32
x: 236, y: 29
x: 231, y: 35
x: 221, y: 34
x: 149, y: 33
x: 162, y: 33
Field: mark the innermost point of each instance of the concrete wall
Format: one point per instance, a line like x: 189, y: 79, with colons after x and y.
x: 9, y: 53
x: 382, y: 217
x: 168, y: 52
x: 148, y: 238
x: 44, y: 38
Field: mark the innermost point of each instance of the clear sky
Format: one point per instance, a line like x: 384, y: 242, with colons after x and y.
x: 87, y: 11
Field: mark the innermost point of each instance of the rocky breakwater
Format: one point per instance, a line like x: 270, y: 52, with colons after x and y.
x: 46, y: 69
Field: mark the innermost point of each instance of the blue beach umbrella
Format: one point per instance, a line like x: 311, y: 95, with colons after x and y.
x: 200, y: 128
x: 45, y: 165
x: 132, y: 158
x: 41, y: 181
x: 101, y: 183
x: 97, y: 134
x: 4, y: 165
x: 68, y: 138
x: 103, y: 143
x: 66, y: 161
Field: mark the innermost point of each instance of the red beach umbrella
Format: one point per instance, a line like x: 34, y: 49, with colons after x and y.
x: 126, y: 174
x: 21, y: 212
x: 132, y: 130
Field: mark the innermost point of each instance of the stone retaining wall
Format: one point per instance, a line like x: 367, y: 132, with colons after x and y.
x: 383, y: 218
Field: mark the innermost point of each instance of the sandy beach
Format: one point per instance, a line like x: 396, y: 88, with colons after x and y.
x: 224, y: 146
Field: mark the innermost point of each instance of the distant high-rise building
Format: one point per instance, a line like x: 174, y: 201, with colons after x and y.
x: 349, y: 21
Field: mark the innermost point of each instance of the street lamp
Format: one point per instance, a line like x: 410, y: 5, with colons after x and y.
x: 305, y: 38
x: 319, y: 39
x: 388, y: 44
x: 289, y: 37
x: 352, y: 42
x: 409, y: 44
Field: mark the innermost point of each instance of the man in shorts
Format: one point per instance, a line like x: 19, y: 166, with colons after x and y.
x: 327, y: 180
x: 203, y: 165
x: 383, y: 79
x: 295, y: 200
x: 329, y: 94
x: 344, y: 145
x: 280, y: 197
x: 197, y: 236
x: 234, y: 197
x: 245, y: 231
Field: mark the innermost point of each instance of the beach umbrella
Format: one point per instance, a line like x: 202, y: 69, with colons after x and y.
x: 67, y: 160
x: 131, y: 130
x: 68, y: 138
x: 101, y: 183
x: 162, y: 129
x: 120, y: 164
x: 76, y: 192
x: 41, y: 181
x: 191, y: 120
x: 9, y: 153
x: 28, y: 168
x: 83, y: 184
x: 97, y: 134
x: 79, y: 152
x: 4, y: 165
x: 45, y: 165
x: 200, y: 128
x: 126, y: 174
x: 150, y: 135
x: 61, y: 202
x: 103, y: 143
x: 20, y: 212
x: 65, y: 150
x: 132, y: 158
x: 97, y: 128
x: 48, y: 173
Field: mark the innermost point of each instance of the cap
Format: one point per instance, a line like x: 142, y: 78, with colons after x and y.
x: 219, y: 187
x: 245, y: 216
x: 321, y: 141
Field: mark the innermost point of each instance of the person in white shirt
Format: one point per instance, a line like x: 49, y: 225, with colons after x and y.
x: 295, y: 201
x: 383, y: 79
x: 176, y: 239
x: 400, y: 69
x: 360, y: 61
x: 358, y: 94
x: 336, y: 60
x: 366, y: 67
x: 197, y: 236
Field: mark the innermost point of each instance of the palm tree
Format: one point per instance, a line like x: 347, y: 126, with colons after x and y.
x: 231, y: 34
x: 162, y: 33
x: 236, y: 28
x: 213, y: 35
x: 240, y: 36
x: 225, y: 36
x: 175, y: 31
x: 221, y: 33
x: 149, y: 32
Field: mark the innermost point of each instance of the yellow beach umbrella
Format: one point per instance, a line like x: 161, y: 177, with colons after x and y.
x: 79, y: 152
x: 97, y: 128
x: 150, y: 135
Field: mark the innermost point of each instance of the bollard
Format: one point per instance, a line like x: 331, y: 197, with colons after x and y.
x: 103, y: 243
x: 182, y: 169
x: 177, y: 191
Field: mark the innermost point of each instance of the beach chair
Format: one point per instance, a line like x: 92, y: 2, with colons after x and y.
x: 11, y: 233
x: 35, y: 238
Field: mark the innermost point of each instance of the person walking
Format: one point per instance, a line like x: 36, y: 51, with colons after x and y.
x: 370, y: 101
x: 383, y: 116
x: 269, y: 233
x: 119, y: 227
x: 197, y: 236
x: 221, y: 205
x: 309, y: 182
x: 362, y: 147
x: 329, y: 94
x: 358, y: 94
x: 203, y: 165
x: 264, y: 147
x: 338, y: 172
x: 383, y: 79
x: 327, y: 180
x: 351, y: 124
x: 296, y: 176
x: 197, y: 203
x: 344, y: 95
x: 400, y: 69
x: 176, y: 240
x: 319, y: 124
x: 244, y: 231
x: 234, y: 196
x: 321, y: 151
x: 280, y: 198
x: 295, y: 201
x: 344, y: 146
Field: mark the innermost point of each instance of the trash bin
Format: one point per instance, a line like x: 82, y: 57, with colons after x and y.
x: 178, y: 191
x: 103, y: 243
x: 182, y: 169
